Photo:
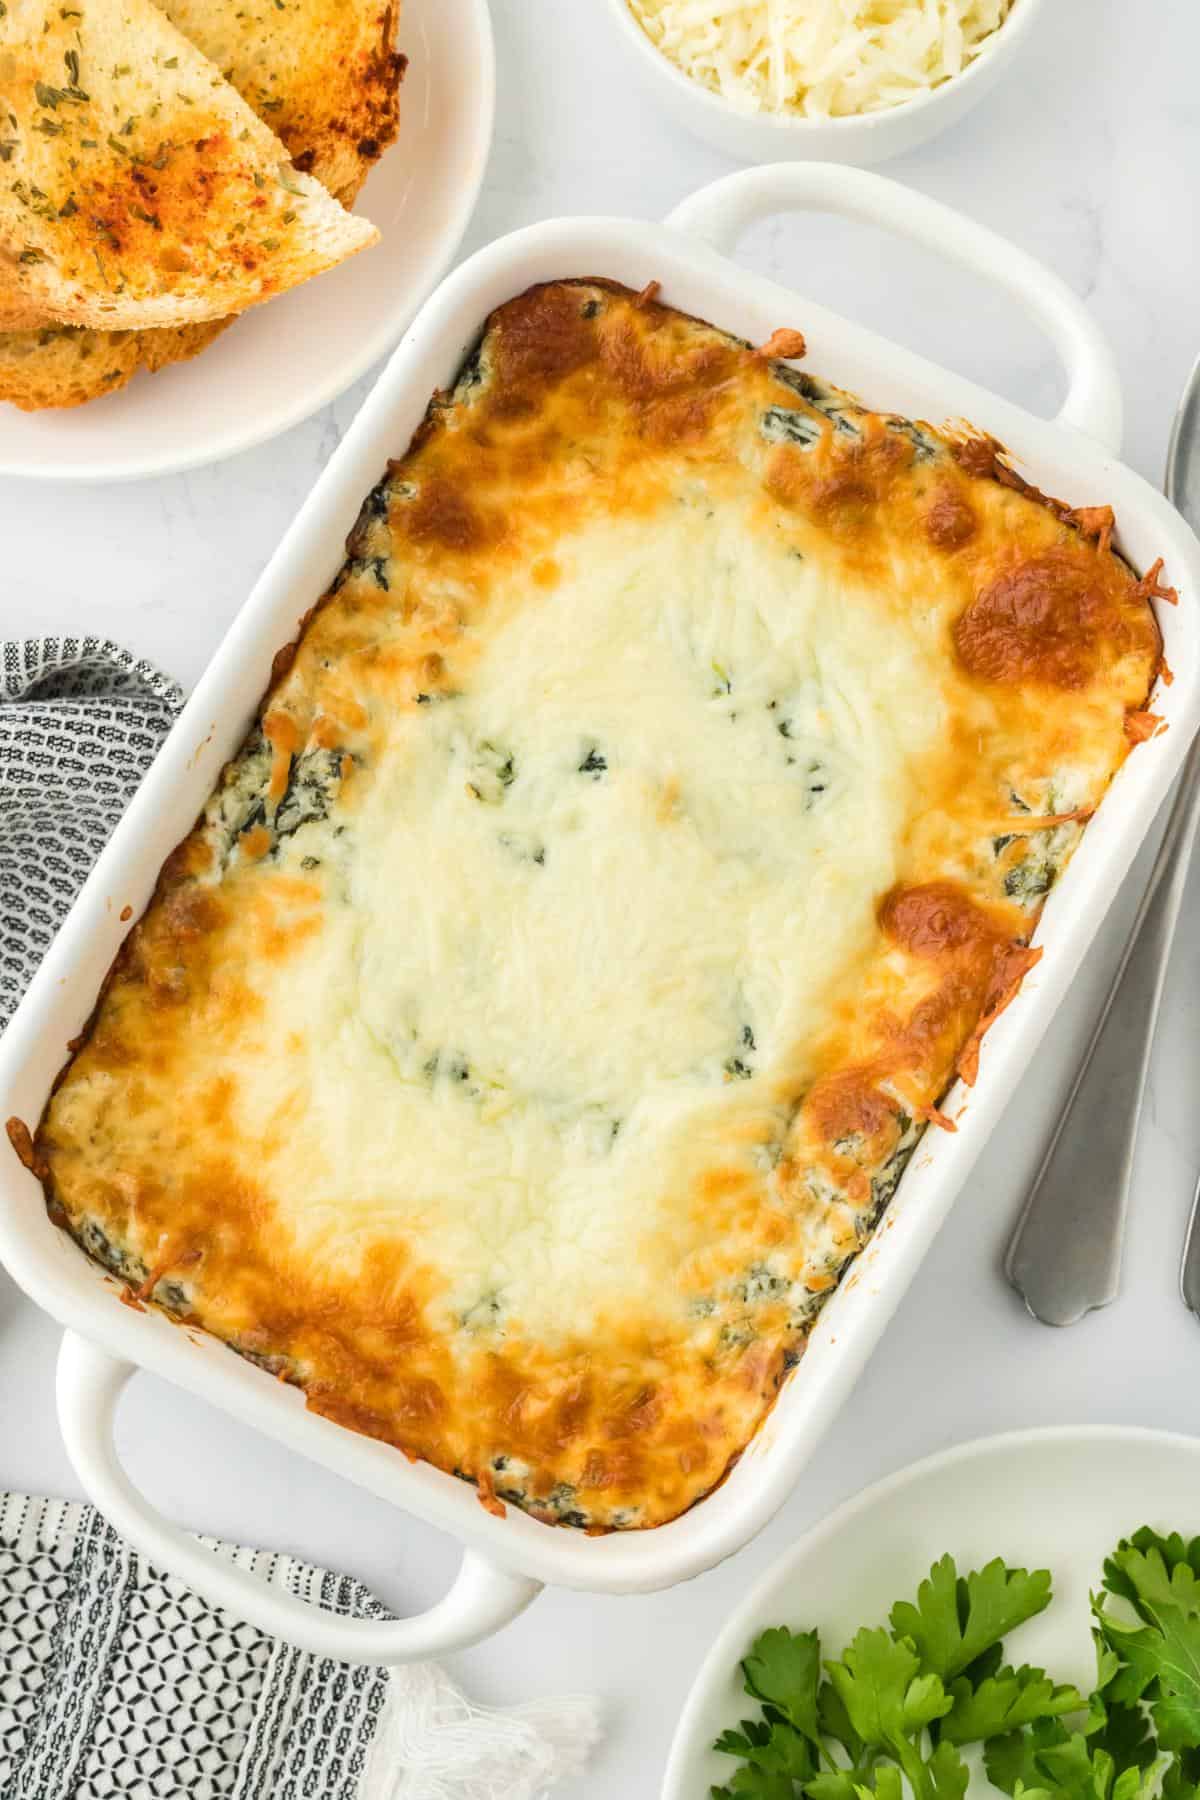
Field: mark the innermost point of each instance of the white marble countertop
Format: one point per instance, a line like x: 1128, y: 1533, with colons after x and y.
x: 1088, y: 156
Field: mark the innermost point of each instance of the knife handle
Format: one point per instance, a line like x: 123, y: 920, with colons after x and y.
x: 1189, y: 1273
x: 1065, y: 1255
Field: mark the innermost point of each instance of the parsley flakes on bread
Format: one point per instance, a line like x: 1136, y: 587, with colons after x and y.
x: 324, y: 74
x: 182, y: 206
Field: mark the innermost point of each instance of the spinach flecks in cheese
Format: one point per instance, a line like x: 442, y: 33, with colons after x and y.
x: 471, y: 375
x: 816, y: 777
x: 790, y: 425
x: 762, y: 1283
x: 886, y: 1181
x: 240, y: 801
x: 524, y: 846
x: 490, y: 772
x: 98, y: 1244
x: 375, y: 506
x: 1034, y: 853
x: 800, y: 381
x: 628, y: 854
x: 312, y: 786
x: 740, y: 1066
x: 485, y: 1315
x: 244, y: 804
x: 923, y: 442
x: 1036, y: 861
x: 1032, y: 877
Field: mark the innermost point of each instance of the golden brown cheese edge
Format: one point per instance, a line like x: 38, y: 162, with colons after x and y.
x: 1051, y: 622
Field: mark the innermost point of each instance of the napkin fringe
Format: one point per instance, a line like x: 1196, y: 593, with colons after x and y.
x: 432, y: 1743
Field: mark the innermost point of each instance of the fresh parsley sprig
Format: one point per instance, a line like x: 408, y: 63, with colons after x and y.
x: 888, y: 1719
x: 1152, y: 1661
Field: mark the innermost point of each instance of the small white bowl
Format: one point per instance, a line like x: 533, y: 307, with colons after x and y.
x: 860, y: 139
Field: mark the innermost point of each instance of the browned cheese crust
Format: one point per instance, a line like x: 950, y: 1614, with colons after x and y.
x: 580, y: 1280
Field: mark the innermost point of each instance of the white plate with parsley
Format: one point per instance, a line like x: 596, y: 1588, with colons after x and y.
x: 1017, y: 1616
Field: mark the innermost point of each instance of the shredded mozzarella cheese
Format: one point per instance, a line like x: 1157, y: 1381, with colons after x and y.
x: 820, y: 58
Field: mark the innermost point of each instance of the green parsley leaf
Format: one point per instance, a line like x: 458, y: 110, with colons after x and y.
x: 956, y: 1620
x: 1073, y: 1767
x: 889, y: 1701
x: 1011, y: 1760
x: 1174, y: 1550
x: 750, y: 1735
x: 1112, y: 1725
x: 835, y: 1723
x: 770, y: 1744
x: 1124, y: 1731
x: 833, y: 1784
x: 784, y: 1670
x: 1004, y: 1703
x: 948, y: 1772
x: 874, y: 1679
x: 889, y: 1717
x: 756, y: 1784
x: 887, y: 1785
x: 1061, y: 1765
x: 1182, y: 1780
x: 1161, y: 1659
x: 1133, y: 1653
x: 990, y: 1663
x: 1078, y: 1772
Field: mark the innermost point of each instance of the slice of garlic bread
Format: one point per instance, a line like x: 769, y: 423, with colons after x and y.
x: 324, y: 74
x: 137, y: 188
x: 335, y: 112
x: 68, y: 365
x: 17, y: 313
x: 60, y: 365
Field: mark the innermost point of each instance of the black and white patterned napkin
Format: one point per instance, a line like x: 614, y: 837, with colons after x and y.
x: 116, y: 1682
x: 80, y: 722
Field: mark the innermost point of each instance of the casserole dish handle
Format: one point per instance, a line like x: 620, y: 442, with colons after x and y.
x: 482, y: 1599
x: 721, y: 212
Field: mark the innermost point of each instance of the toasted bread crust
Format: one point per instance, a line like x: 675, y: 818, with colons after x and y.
x: 325, y: 75
x: 159, y: 349
x: 68, y: 365
x: 61, y: 366
x: 335, y: 107
x: 138, y: 187
x: 17, y: 313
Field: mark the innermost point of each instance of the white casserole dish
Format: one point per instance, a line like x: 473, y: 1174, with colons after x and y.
x: 507, y: 1560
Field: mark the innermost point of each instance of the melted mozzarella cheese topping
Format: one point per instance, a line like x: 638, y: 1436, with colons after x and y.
x: 821, y: 58
x: 648, y: 837
x: 640, y: 834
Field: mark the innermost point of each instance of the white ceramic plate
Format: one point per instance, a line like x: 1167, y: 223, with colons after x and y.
x: 284, y: 360
x: 1056, y: 1499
